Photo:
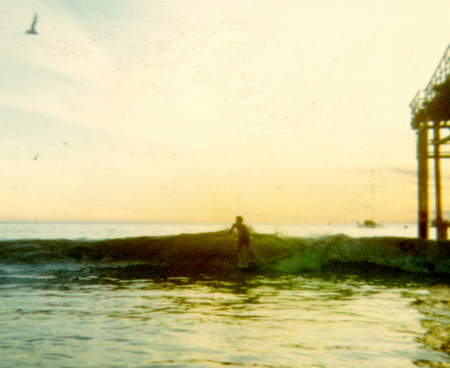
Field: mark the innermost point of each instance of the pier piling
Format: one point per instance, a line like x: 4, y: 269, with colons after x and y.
x: 431, y: 110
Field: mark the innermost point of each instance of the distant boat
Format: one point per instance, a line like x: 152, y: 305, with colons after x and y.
x: 368, y: 224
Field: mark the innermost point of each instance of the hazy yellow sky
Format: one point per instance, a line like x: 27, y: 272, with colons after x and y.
x: 194, y: 110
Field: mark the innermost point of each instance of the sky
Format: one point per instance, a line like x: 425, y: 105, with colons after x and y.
x: 282, y: 111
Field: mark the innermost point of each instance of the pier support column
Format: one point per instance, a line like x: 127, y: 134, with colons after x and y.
x: 422, y: 157
x: 441, y: 225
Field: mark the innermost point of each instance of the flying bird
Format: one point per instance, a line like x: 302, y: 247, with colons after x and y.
x: 36, y: 157
x: 32, y: 30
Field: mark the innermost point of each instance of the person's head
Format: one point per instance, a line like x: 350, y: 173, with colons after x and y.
x: 239, y: 219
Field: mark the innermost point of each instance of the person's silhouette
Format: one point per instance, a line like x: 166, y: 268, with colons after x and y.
x: 243, y: 240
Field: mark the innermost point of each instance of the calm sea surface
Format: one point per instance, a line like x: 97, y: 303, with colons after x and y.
x: 248, y: 320
x: 51, y: 230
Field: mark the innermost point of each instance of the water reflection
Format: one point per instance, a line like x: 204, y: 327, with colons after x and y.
x: 247, y: 320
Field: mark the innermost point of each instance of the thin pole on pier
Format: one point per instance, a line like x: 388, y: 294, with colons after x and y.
x: 422, y: 153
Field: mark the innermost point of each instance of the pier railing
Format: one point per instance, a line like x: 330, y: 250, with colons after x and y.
x: 439, y: 77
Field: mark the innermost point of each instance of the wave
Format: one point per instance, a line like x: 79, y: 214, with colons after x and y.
x: 215, y: 254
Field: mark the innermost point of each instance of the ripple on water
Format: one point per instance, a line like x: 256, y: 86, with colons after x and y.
x: 254, y: 321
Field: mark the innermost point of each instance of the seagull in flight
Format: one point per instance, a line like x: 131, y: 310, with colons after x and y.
x: 32, y: 30
x: 36, y: 157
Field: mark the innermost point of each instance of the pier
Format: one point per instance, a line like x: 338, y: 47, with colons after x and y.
x: 431, y: 112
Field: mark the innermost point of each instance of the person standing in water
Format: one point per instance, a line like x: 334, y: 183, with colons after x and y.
x: 243, y: 239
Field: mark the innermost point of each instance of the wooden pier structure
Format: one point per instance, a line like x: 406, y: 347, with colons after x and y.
x: 431, y: 112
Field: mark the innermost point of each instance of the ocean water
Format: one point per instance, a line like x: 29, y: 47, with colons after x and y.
x: 70, y: 298
x: 62, y: 230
